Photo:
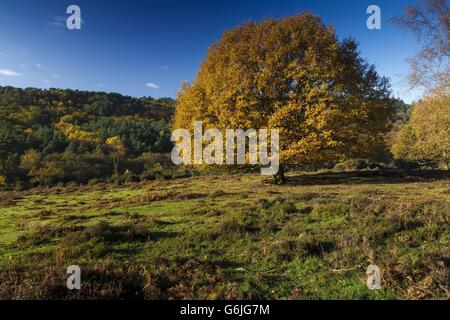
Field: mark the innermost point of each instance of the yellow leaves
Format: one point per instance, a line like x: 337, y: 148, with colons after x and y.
x: 404, y: 148
x: 117, y: 151
x: 113, y: 141
x: 30, y: 159
x: 116, y: 144
x: 427, y: 135
x: 291, y: 74
x: 74, y: 132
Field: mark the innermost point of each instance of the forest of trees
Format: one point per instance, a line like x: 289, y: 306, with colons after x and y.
x: 51, y: 136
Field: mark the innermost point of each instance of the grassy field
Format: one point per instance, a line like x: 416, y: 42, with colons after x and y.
x: 230, y: 237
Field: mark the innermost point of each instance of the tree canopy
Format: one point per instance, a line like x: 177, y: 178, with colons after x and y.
x: 427, y: 134
x: 295, y: 75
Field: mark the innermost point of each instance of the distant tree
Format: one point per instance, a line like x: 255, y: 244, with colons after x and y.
x: 47, y: 140
x: 403, y: 110
x: 100, y: 105
x: 31, y: 159
x: 427, y: 135
x: 117, y: 150
x: 12, y: 145
x: 51, y: 172
x: 73, y: 132
x: 164, y: 143
x: 292, y: 74
x: 430, y: 21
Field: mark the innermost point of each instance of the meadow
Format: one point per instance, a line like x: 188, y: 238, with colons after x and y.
x: 231, y: 237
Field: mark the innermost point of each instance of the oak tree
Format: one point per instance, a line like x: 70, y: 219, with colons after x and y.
x: 291, y: 74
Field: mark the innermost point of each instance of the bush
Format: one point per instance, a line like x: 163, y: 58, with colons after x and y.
x: 339, y: 167
x: 147, y: 176
x: 356, y: 164
x: 131, y: 177
x: 406, y: 164
x: 351, y: 165
x: 20, y: 185
x: 95, y: 181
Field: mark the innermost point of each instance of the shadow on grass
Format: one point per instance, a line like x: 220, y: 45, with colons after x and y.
x: 359, y: 177
x: 230, y: 265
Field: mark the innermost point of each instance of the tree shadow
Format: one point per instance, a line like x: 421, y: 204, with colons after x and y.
x: 364, y: 177
x: 229, y: 265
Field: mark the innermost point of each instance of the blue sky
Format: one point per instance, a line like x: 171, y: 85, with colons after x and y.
x: 148, y: 48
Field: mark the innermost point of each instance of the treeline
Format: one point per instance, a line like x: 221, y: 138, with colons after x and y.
x: 60, y: 136
x: 51, y: 136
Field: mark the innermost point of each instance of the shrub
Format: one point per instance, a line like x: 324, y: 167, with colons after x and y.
x: 339, y: 167
x: 95, y: 181
x: 147, y: 176
x: 131, y: 177
x: 351, y: 165
x: 406, y: 164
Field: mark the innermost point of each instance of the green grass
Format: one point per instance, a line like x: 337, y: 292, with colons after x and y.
x: 227, y: 237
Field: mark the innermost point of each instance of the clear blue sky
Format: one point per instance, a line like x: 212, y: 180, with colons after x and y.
x: 124, y: 45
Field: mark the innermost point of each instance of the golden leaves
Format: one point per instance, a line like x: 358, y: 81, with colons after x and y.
x: 291, y: 74
x: 427, y: 135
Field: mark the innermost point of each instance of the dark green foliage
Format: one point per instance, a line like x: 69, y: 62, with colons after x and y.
x: 351, y: 165
x: 48, y: 140
x: 403, y: 110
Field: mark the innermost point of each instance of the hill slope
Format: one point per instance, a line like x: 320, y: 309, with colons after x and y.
x: 46, y: 135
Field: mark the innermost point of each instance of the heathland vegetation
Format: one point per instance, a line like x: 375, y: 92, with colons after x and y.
x: 230, y: 236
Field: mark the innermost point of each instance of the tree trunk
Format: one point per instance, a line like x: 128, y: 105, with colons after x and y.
x: 115, y: 159
x: 279, y: 177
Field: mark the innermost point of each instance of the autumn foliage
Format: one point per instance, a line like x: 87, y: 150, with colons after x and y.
x: 427, y: 134
x: 295, y: 75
